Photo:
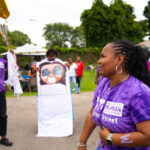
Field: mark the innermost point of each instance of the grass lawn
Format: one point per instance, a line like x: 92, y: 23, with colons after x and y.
x: 87, y: 84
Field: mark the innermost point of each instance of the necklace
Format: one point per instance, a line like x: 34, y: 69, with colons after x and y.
x: 109, y: 88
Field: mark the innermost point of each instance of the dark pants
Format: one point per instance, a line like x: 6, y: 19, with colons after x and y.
x: 26, y: 85
x: 79, y: 81
x: 3, y: 126
x: 3, y: 116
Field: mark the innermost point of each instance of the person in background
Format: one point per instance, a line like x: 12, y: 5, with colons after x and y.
x: 72, y: 75
x: 90, y: 67
x: 51, y: 56
x: 121, y: 103
x: 79, y: 72
x: 29, y: 73
x: 26, y: 82
x: 26, y: 67
x: 3, y: 105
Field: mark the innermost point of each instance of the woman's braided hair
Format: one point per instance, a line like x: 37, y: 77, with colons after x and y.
x: 135, y: 59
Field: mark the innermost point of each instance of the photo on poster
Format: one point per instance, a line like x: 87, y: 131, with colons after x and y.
x: 52, y: 78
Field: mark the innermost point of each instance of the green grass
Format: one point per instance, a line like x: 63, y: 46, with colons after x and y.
x: 87, y: 84
x: 11, y: 94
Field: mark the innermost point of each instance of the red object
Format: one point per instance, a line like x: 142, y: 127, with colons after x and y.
x: 34, y: 66
x: 80, y: 68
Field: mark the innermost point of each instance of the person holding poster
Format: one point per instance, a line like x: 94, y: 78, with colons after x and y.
x: 51, y: 56
x: 54, y: 97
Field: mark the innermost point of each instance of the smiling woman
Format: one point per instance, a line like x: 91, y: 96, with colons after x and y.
x: 121, y: 106
x: 4, y: 12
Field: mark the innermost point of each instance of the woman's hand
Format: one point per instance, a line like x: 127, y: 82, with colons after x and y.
x: 67, y: 64
x: 81, y: 148
x: 12, y: 51
x: 104, y: 132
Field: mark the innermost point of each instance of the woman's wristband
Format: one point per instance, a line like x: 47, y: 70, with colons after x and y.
x: 81, y: 145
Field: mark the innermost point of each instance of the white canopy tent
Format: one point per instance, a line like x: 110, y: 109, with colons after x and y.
x: 29, y: 49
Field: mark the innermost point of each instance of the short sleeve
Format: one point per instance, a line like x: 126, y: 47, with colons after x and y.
x: 140, y: 107
x: 75, y: 66
x: 95, y: 97
x: 99, y: 89
x: 60, y: 61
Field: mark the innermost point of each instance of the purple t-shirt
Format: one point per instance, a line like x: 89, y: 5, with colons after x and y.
x: 121, y: 108
x: 97, y: 69
x: 100, y: 77
x: 3, y: 66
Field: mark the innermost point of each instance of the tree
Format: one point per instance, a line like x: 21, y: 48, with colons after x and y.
x: 126, y: 26
x: 103, y: 24
x: 2, y: 43
x: 77, y: 40
x: 18, y: 38
x: 3, y: 47
x: 15, y: 38
x: 146, y: 13
x: 63, y: 35
x: 57, y: 34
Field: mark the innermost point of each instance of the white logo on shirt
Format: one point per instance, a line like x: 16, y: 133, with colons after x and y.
x: 113, y: 108
x: 109, y: 119
x: 1, y: 65
x: 100, y: 104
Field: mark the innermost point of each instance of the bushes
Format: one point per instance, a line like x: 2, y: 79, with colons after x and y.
x: 3, y: 49
x: 88, y: 55
x: 82, y: 51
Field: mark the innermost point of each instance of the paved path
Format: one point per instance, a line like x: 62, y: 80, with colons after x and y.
x: 22, y: 125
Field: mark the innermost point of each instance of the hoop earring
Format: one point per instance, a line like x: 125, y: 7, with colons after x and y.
x: 118, y: 67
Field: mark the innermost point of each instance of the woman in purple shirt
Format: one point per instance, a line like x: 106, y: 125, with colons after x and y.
x: 121, y: 103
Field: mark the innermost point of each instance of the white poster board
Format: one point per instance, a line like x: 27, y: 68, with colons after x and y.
x: 54, y: 100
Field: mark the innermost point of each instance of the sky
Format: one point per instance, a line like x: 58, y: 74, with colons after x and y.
x: 30, y: 16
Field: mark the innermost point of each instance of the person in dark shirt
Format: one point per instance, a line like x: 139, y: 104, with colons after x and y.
x: 3, y: 107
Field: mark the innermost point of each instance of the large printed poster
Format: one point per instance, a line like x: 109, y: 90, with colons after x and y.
x: 54, y: 100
